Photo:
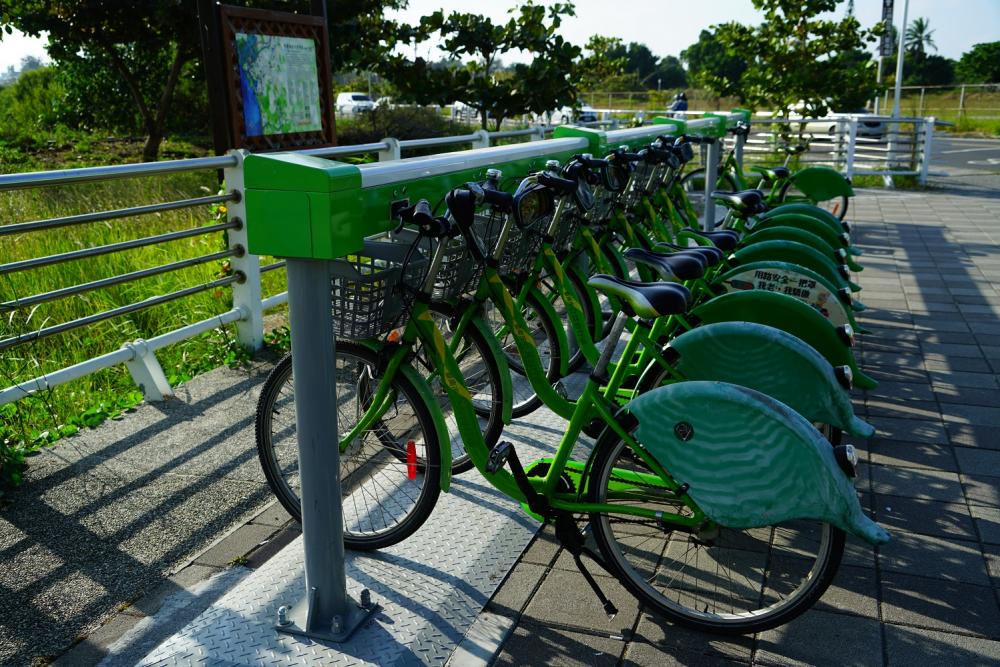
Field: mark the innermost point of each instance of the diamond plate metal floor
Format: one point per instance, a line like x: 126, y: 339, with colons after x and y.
x: 431, y: 587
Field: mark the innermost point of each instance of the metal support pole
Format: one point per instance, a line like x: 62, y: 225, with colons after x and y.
x: 325, y: 611
x: 741, y: 140
x: 900, y: 53
x: 146, y: 372
x: 852, y: 142
x: 961, y: 103
x: 246, y: 294
x: 925, y: 153
x: 711, y: 175
x: 920, y: 108
x: 392, y: 151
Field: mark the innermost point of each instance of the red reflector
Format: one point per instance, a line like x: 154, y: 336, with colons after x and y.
x: 411, y: 459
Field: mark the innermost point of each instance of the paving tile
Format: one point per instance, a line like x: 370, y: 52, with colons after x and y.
x: 978, y: 461
x: 933, y: 557
x: 910, y: 646
x: 941, y: 605
x: 927, y: 517
x: 939, y: 362
x: 965, y: 395
x: 992, y: 555
x: 852, y: 591
x: 981, y: 490
x: 565, y: 598
x: 516, y: 589
x: 976, y: 415
x: 911, y: 430
x: 903, y: 408
x: 907, y: 391
x: 987, y: 520
x: 239, y: 542
x: 640, y: 654
x: 538, y: 644
x: 273, y: 515
x: 667, y: 639
x: 821, y: 638
x: 543, y: 548
x: 969, y: 435
x: 912, y: 455
x: 916, y: 483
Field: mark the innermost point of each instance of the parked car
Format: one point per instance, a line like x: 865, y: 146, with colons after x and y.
x: 349, y: 103
x: 568, y: 115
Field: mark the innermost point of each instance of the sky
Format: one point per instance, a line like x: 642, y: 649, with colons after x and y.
x: 669, y: 26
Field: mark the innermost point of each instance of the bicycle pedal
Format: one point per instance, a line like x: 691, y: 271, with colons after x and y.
x: 560, y: 388
x: 498, y: 456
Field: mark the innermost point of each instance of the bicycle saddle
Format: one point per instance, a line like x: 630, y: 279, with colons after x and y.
x: 710, y: 254
x: 670, y: 266
x: 772, y: 173
x: 743, y: 203
x: 794, y: 149
x: 647, y: 300
x: 723, y: 239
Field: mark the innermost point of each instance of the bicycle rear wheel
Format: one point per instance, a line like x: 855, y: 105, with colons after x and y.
x: 734, y: 581
x: 389, y: 474
x: 792, y: 195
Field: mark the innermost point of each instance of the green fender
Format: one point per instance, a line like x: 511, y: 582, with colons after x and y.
x: 822, y: 183
x: 444, y: 440
x: 790, y: 315
x: 799, y: 235
x: 795, y: 253
x: 824, y: 216
x: 561, y: 338
x: 817, y: 227
x: 581, y: 276
x: 746, y: 459
x: 747, y: 354
x: 795, y: 281
x: 506, y: 386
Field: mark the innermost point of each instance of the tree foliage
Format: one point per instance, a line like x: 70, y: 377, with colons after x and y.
x: 918, y: 37
x: 980, y: 64
x: 795, y: 59
x: 669, y: 73
x: 602, y: 64
x: 710, y: 66
x: 547, y: 82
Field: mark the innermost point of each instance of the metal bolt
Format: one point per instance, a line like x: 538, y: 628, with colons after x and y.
x: 552, y: 164
x: 494, y: 173
x: 366, y: 599
x: 283, y: 615
x: 337, y: 624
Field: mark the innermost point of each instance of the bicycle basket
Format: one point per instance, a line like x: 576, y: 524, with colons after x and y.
x: 367, y: 288
x: 604, y: 203
x: 570, y: 219
x: 458, y: 274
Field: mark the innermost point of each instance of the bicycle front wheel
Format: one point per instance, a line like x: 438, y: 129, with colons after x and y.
x: 389, y: 473
x: 731, y: 581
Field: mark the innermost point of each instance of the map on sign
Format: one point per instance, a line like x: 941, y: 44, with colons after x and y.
x: 279, y: 84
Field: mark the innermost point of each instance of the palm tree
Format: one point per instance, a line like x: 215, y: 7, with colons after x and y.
x: 918, y: 37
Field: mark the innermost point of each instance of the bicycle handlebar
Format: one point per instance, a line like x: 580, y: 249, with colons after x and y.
x: 462, y: 205
x: 562, y: 186
x: 420, y: 214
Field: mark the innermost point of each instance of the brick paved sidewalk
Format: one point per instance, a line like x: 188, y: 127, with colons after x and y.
x: 931, y: 475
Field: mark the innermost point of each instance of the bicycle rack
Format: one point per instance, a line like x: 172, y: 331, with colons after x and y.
x: 310, y: 211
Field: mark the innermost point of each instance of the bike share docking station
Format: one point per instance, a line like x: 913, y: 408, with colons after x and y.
x: 311, y: 211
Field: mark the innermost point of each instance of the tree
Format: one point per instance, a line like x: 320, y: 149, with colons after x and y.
x: 918, y: 37
x: 795, y: 59
x: 710, y: 66
x: 600, y: 65
x: 125, y: 42
x: 669, y: 73
x: 980, y: 64
x: 547, y: 82
x: 931, y: 70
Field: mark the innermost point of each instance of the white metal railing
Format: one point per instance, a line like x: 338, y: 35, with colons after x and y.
x: 905, y: 150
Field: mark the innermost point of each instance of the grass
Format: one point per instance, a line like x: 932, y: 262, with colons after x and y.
x: 32, y: 422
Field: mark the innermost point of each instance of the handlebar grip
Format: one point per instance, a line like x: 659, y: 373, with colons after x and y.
x: 422, y: 211
x: 591, y: 162
x: 462, y: 205
x: 498, y: 198
x: 563, y: 186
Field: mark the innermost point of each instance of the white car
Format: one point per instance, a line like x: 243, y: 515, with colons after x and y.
x: 568, y: 115
x: 349, y: 104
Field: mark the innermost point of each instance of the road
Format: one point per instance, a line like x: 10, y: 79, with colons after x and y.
x: 966, y: 154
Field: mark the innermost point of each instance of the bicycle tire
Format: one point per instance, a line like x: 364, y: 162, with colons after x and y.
x: 525, y: 400
x: 836, y: 206
x: 475, y: 360
x: 370, y: 469
x: 693, y: 184
x: 648, y: 558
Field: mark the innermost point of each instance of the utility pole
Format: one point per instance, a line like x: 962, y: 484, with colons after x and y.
x: 884, y: 49
x: 899, y: 60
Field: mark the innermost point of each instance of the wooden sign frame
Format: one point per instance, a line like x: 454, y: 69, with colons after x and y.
x: 233, y: 20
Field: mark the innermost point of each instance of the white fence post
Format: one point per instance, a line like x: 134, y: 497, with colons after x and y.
x: 852, y: 143
x: 483, y: 141
x: 925, y: 153
x: 539, y: 132
x: 711, y: 175
x: 247, y: 292
x: 392, y: 151
x: 146, y: 372
x: 741, y: 140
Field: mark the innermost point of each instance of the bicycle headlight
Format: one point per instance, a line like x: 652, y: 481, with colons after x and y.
x: 845, y: 295
x: 845, y: 376
x: 847, y: 459
x: 846, y: 334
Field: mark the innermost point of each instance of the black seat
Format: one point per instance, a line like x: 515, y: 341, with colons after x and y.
x: 743, y: 203
x: 794, y: 149
x: 647, y: 300
x: 670, y: 266
x: 771, y: 173
x: 723, y: 239
x: 710, y: 254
